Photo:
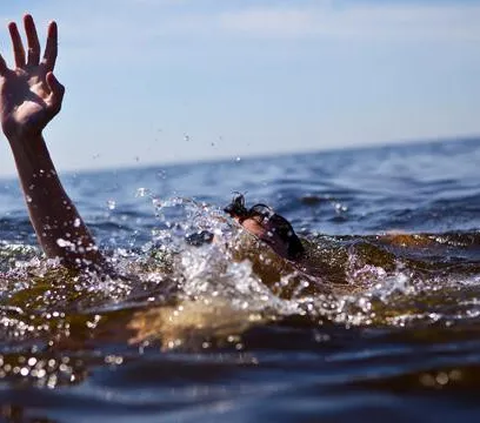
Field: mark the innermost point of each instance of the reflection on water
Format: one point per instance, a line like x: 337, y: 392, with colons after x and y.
x: 386, y: 304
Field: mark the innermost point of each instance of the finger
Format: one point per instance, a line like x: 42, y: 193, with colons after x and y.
x: 3, y: 66
x: 18, y: 50
x: 51, y: 48
x: 33, y: 43
x: 57, y: 92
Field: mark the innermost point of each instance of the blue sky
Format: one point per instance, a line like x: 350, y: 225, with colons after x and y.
x: 154, y: 81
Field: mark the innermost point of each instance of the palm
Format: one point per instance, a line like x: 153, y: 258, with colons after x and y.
x: 30, y: 95
x: 24, y: 96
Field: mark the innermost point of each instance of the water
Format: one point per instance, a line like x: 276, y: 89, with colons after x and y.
x: 388, y: 327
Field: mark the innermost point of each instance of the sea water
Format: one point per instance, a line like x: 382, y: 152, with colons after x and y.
x: 216, y: 331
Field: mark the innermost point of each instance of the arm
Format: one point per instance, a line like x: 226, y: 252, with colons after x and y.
x: 31, y: 96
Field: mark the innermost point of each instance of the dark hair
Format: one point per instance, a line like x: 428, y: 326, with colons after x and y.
x: 237, y: 207
x: 284, y: 230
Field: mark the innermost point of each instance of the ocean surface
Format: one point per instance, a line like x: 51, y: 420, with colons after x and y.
x: 387, y: 326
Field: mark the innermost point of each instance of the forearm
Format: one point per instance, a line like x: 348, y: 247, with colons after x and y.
x: 60, y: 230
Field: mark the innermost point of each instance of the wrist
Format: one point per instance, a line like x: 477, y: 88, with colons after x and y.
x: 16, y: 129
x: 22, y: 136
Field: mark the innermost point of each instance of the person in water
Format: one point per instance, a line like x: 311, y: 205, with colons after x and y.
x: 30, y: 97
x: 273, y: 229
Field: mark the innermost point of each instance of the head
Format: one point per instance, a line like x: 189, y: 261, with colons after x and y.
x: 261, y: 221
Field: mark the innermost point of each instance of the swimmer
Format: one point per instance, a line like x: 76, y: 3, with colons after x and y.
x: 30, y: 97
x: 271, y: 228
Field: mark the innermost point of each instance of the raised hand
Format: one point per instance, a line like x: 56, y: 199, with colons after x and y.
x: 30, y: 95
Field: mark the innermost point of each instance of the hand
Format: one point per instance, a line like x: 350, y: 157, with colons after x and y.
x: 30, y: 95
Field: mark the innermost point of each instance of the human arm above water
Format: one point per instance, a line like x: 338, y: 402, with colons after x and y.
x: 30, y: 97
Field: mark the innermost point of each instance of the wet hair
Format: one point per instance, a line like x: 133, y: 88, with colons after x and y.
x: 237, y: 207
x: 279, y: 225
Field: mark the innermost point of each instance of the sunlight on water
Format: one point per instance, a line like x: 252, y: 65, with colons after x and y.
x: 219, y: 273
x: 195, y: 302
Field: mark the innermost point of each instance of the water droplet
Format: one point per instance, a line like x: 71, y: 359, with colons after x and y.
x: 142, y: 192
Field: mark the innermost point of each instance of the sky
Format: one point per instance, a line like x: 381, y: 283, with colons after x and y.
x: 161, y: 81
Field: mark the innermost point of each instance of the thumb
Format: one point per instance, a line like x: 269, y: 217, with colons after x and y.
x: 57, y: 91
